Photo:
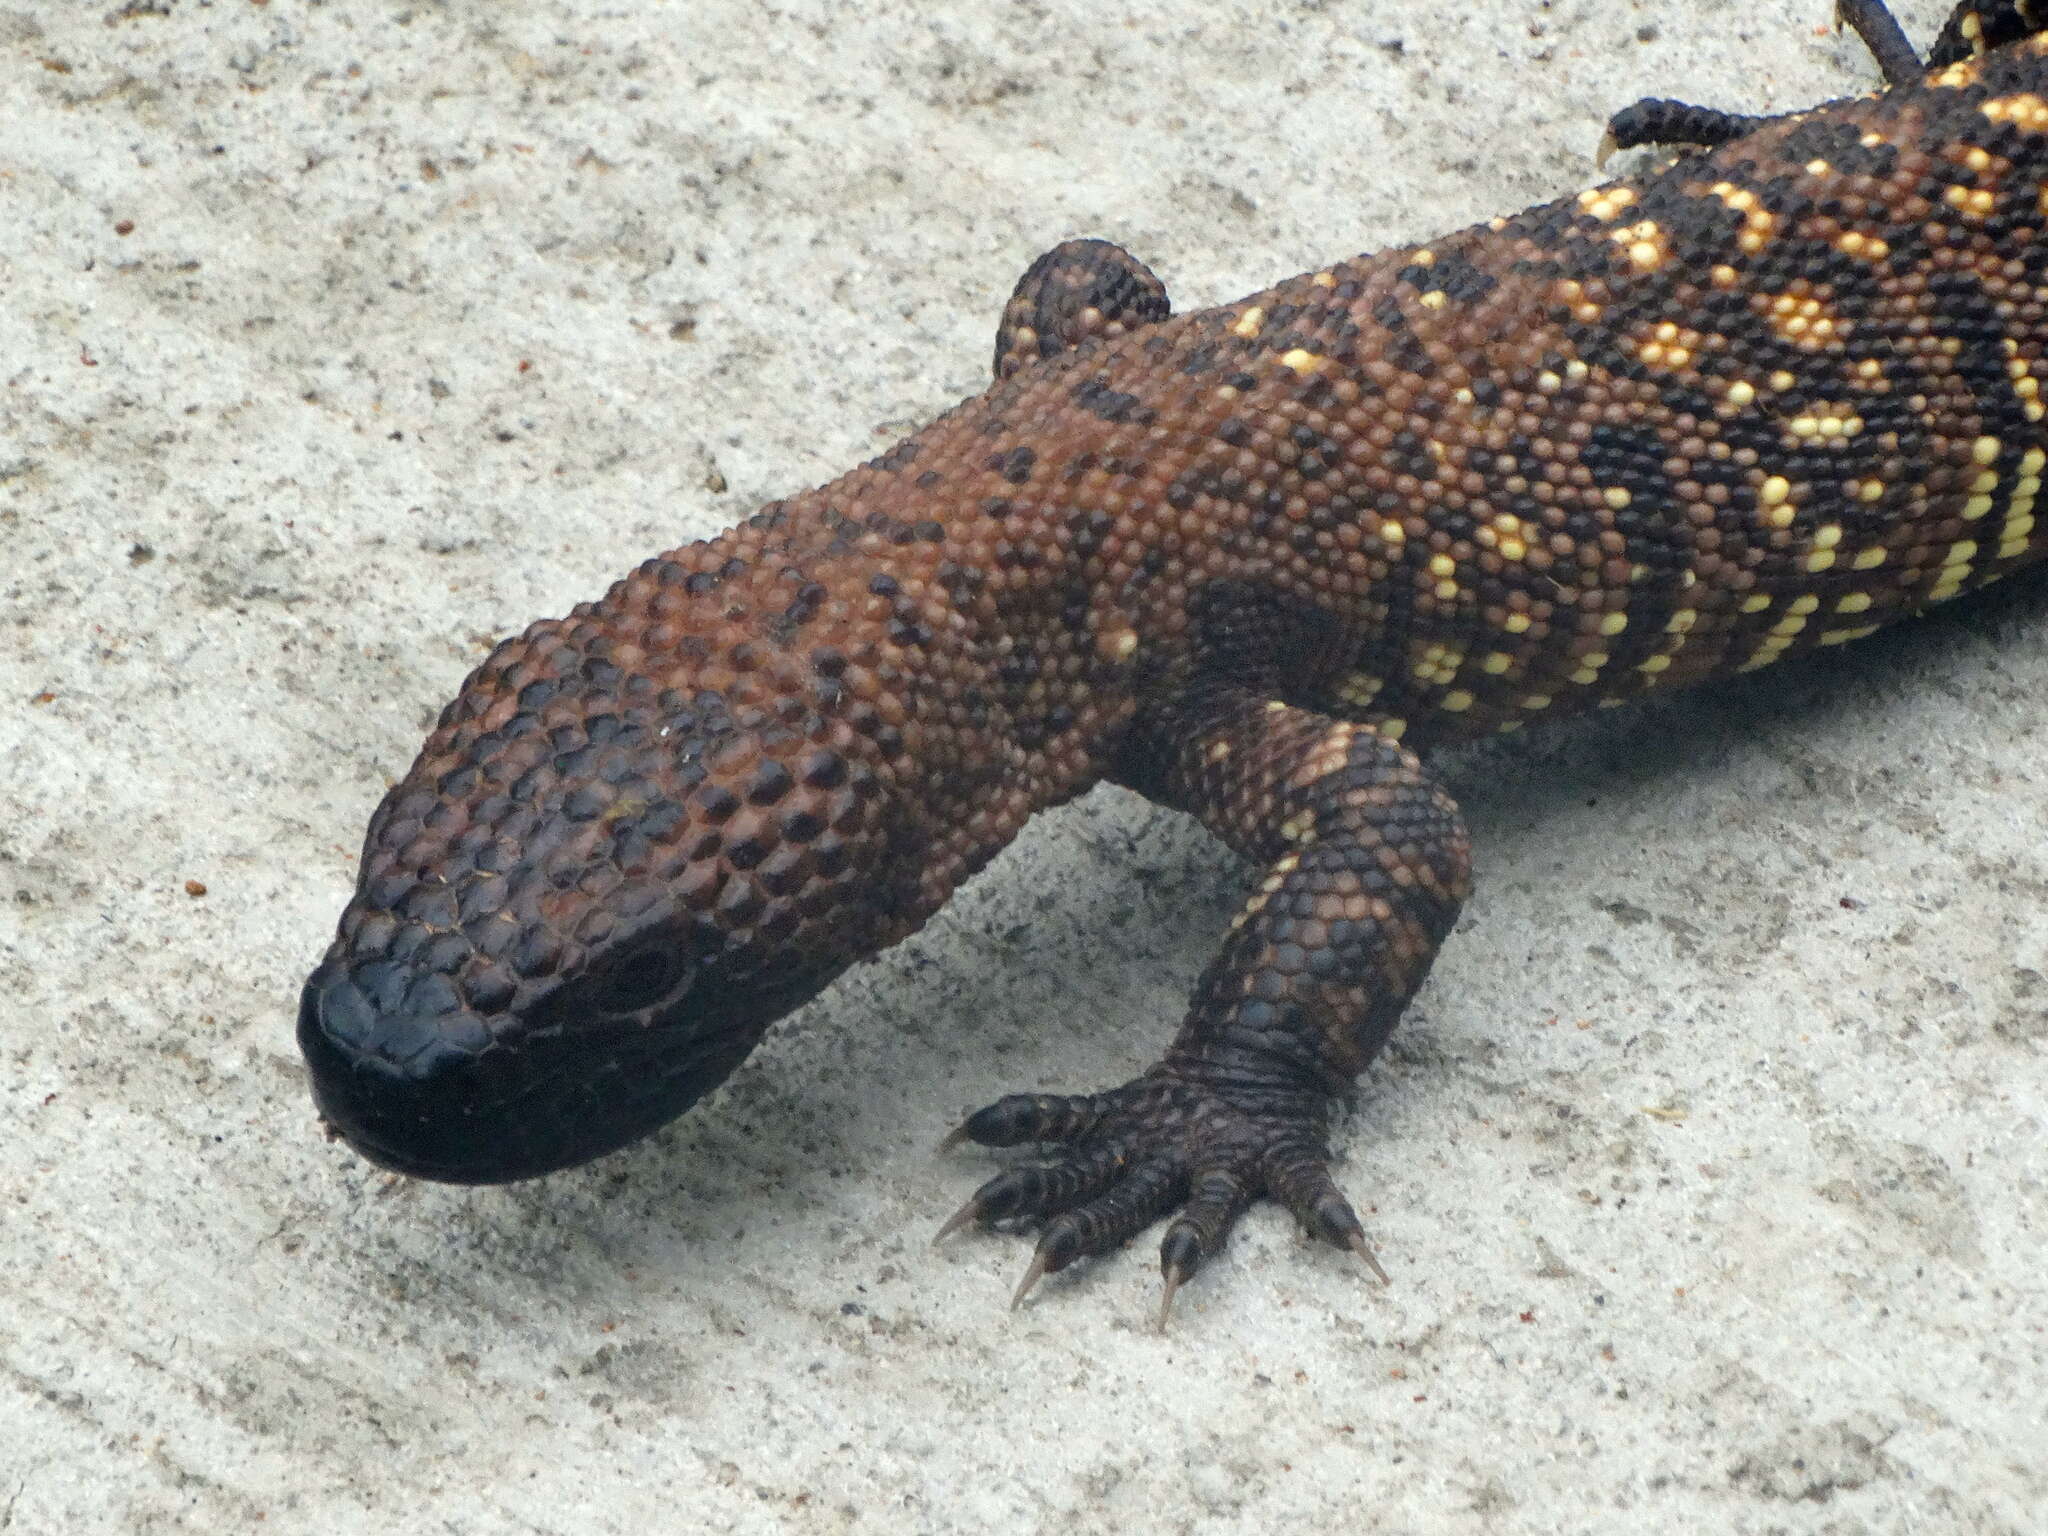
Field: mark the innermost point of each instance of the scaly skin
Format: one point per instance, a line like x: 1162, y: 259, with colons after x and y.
x: 1246, y: 561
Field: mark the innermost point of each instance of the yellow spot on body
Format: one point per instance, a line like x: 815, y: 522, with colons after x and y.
x: 1392, y: 531
x: 1613, y: 624
x: 1218, y: 750
x: 1722, y: 275
x: 1606, y: 203
x: 1789, y: 626
x: 1549, y: 382
x: 1818, y: 167
x: 1870, y: 368
x: 1513, y: 549
x: 1774, y: 490
x: 1855, y: 602
x: 1653, y: 664
x: 1741, y: 392
x: 1249, y: 322
x: 1756, y: 602
x: 1392, y: 730
x: 1457, y: 701
x: 1805, y: 603
x: 1442, y: 565
x: 1358, y: 690
x: 2025, y: 111
x: 1616, y: 497
x: 1962, y: 552
x: 1782, y: 381
x: 1516, y: 623
x: 1682, y: 621
x: 2013, y: 548
x: 1436, y: 298
x: 1869, y: 559
x: 1446, y: 591
x: 1871, y: 139
x: 1779, y: 517
x: 1535, y: 701
x: 1325, y: 279
x: 1496, y: 662
x: 1820, y: 560
x: 1275, y: 706
x: 1842, y: 636
x: 1302, y: 361
x: 1976, y: 507
x: 1827, y: 536
x: 1870, y: 490
x: 1975, y: 202
x: 1984, y: 450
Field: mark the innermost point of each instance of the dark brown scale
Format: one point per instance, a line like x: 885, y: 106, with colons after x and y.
x: 1246, y: 561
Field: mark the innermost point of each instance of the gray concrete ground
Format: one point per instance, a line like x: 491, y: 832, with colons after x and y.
x: 338, y: 339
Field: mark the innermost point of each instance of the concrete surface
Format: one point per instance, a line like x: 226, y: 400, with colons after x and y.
x: 337, y: 339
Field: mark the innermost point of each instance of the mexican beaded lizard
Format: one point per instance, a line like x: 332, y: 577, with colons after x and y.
x: 1247, y: 561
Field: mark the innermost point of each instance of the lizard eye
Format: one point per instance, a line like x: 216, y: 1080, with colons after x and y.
x: 643, y: 978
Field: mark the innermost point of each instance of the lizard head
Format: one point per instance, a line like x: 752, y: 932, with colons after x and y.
x: 615, y: 862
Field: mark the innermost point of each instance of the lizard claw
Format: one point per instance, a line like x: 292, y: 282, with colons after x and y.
x: 967, y: 1215
x: 1034, y: 1273
x: 1160, y: 1146
x: 1359, y: 1247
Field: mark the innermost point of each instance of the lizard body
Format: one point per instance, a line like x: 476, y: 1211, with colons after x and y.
x: 1248, y: 561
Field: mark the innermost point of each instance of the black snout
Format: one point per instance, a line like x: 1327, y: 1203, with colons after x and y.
x: 421, y: 1084
x: 421, y: 1089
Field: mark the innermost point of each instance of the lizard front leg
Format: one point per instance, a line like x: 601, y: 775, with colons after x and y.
x: 1366, y: 865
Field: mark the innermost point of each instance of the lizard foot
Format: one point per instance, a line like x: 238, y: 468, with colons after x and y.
x: 1160, y: 1144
